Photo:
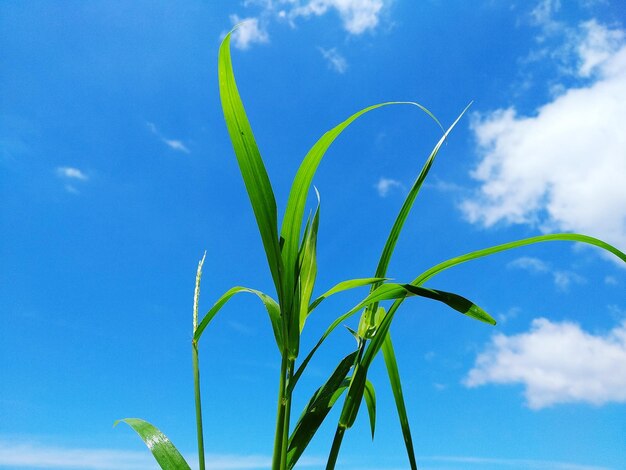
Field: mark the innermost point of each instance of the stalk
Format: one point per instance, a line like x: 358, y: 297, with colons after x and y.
x: 196, y: 368
x: 334, y: 451
x: 196, y: 384
x: 279, y: 436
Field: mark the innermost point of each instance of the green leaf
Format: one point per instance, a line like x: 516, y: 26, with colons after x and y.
x: 163, y: 450
x: 343, y: 286
x: 370, y: 401
x: 317, y: 409
x: 396, y: 387
x: 574, y: 237
x: 271, y: 306
x: 250, y: 163
x: 294, y: 213
x: 458, y: 303
x: 308, y: 265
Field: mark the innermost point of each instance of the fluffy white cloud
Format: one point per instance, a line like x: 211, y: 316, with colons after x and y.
x: 249, y: 32
x: 556, y: 363
x: 357, y: 16
x: 563, y: 168
x: 384, y: 185
x: 335, y: 60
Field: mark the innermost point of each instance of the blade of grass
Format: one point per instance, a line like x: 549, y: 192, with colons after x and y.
x: 344, y: 286
x: 162, y: 449
x: 574, y: 237
x: 270, y: 305
x: 250, y: 163
x: 370, y: 401
x: 308, y: 266
x: 394, y: 380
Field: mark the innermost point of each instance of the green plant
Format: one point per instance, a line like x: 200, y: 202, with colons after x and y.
x: 292, y: 262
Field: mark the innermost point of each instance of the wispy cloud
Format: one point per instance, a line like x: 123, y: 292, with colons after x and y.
x: 562, y: 278
x: 561, y: 168
x: 515, y: 463
x: 174, y: 144
x: 385, y: 185
x: 250, y: 31
x: 71, y: 176
x: 335, y: 60
x: 15, y: 454
x: 71, y: 173
x: 557, y: 363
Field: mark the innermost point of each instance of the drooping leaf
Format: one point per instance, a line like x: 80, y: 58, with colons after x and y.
x: 396, y: 387
x: 250, y: 163
x: 316, y: 410
x: 458, y: 303
x: 162, y: 449
x: 370, y: 401
x: 271, y: 306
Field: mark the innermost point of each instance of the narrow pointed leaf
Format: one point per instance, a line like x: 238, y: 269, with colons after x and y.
x: 396, y: 387
x: 162, y: 449
x: 308, y: 266
x: 370, y: 401
x: 317, y: 409
x: 271, y: 306
x: 250, y: 163
x: 344, y: 286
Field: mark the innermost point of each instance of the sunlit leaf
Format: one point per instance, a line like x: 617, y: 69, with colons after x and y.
x: 162, y: 449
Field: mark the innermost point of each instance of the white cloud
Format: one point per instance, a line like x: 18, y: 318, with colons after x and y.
x: 34, y: 455
x: 556, y: 363
x: 335, y: 60
x: 71, y: 173
x: 357, y: 16
x: 384, y: 185
x: 174, y: 144
x: 515, y: 463
x: 530, y: 264
x: 249, y: 32
x: 564, y: 167
x: 610, y: 281
x: 562, y: 278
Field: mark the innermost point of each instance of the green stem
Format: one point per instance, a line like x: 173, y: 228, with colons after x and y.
x: 334, y: 451
x: 279, y: 436
x: 287, y: 415
x: 196, y: 383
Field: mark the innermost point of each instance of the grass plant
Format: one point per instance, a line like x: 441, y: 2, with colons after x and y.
x: 291, y: 255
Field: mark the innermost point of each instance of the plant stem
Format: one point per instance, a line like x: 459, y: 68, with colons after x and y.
x: 287, y: 415
x: 196, y: 368
x: 334, y: 451
x: 196, y: 383
x: 279, y: 436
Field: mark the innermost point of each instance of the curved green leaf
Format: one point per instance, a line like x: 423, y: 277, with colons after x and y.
x: 344, y: 286
x: 271, y: 306
x: 162, y: 449
x: 294, y: 213
x: 308, y: 265
x: 574, y: 237
x: 250, y: 163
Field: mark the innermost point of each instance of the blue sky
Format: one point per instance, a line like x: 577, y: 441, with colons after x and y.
x: 116, y: 174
